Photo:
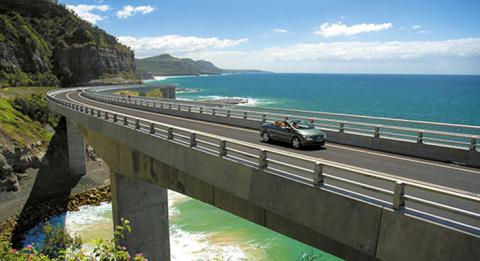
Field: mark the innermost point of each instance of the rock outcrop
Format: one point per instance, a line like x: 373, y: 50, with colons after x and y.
x: 43, y: 43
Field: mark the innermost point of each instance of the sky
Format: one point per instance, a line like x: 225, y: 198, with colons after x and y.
x: 310, y: 36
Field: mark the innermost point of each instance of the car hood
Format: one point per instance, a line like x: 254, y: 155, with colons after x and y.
x: 311, y: 132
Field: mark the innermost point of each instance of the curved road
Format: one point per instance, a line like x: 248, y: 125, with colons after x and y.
x: 449, y: 175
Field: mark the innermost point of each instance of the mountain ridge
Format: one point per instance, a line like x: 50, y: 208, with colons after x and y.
x: 168, y: 65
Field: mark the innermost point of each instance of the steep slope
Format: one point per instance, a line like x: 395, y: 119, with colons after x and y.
x: 43, y: 43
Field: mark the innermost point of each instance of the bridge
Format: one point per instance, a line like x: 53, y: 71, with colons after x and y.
x: 379, y: 190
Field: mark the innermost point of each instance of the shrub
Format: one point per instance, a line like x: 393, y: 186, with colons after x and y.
x: 57, y: 240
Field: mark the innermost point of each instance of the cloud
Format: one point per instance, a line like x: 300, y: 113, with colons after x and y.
x: 448, y: 56
x: 279, y: 30
x: 416, y: 27
x: 85, y: 12
x: 340, y: 29
x: 176, y: 44
x: 129, y: 10
x: 357, y: 50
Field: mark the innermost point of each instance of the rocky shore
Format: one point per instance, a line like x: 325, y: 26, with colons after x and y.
x: 13, y: 228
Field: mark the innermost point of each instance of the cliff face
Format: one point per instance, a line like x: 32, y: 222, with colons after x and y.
x: 42, y: 43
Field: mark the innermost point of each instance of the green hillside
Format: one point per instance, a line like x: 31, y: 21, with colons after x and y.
x: 44, y: 44
x: 166, y: 64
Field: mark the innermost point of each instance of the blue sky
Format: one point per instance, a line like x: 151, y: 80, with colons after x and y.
x: 299, y: 36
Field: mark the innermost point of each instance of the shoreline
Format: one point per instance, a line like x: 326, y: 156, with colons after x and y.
x: 14, y: 228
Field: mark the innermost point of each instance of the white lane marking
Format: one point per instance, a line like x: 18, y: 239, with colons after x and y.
x: 405, y: 159
x: 252, y: 131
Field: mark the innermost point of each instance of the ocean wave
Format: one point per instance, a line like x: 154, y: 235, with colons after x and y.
x: 249, y: 101
x: 93, y: 222
x: 195, y: 246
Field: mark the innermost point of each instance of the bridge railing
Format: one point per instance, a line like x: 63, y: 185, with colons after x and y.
x: 466, y: 138
x: 402, y: 195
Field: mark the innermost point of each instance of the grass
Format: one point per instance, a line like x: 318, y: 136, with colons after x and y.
x: 23, y: 92
x: 127, y: 92
x: 16, y: 126
x: 154, y: 93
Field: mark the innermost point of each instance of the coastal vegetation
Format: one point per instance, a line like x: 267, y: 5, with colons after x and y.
x: 25, y: 115
x: 167, y: 65
x: 155, y: 92
x: 44, y: 44
x: 59, y: 245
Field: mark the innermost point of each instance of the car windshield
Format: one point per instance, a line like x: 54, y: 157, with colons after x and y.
x: 301, y: 125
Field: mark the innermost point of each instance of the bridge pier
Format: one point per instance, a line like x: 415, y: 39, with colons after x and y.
x: 145, y: 205
x: 76, y: 150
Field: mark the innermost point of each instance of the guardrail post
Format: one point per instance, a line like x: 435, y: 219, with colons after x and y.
x: 81, y: 109
x: 92, y: 112
x: 98, y: 114
x: 169, y: 106
x: 341, y: 128
x: 376, y: 133
x: 161, y: 105
x: 86, y: 110
x: 106, y: 115
x: 213, y: 112
x: 137, y: 124
x: 419, y: 137
x: 244, y: 115
x: 399, y: 196
x: 228, y: 113
x: 179, y: 107
x: 170, y: 133
x: 193, y: 140
x: 201, y: 109
x: 114, y: 117
x: 152, y: 128
x: 154, y: 104
x: 189, y: 108
x: 222, y: 150
x: 264, y: 117
x: 262, y: 159
x: 318, y: 174
x: 473, y: 143
x: 125, y: 120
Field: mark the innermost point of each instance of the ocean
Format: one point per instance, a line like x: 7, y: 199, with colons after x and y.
x: 441, y: 98
x: 202, y: 232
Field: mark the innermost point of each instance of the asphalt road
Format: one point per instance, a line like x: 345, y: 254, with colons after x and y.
x: 449, y: 175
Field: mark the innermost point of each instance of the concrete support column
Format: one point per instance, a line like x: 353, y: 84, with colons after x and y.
x: 146, y: 207
x: 76, y: 150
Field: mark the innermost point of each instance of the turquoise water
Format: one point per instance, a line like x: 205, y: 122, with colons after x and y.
x: 198, y: 231
x: 442, y: 98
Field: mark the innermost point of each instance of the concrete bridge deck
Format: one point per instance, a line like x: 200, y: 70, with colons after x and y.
x: 449, y: 175
x: 329, y: 219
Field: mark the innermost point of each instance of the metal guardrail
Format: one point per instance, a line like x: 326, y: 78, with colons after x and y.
x: 393, y: 192
x: 406, y: 134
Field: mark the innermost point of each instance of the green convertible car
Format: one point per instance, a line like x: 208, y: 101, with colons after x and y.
x: 299, y: 133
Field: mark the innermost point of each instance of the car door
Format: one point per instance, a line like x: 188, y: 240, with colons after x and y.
x: 275, y: 132
x: 286, y: 133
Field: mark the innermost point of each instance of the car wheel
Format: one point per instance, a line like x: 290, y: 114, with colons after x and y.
x: 265, y: 137
x: 296, y: 143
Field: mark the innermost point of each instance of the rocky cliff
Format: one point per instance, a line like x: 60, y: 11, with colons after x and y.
x: 43, y: 43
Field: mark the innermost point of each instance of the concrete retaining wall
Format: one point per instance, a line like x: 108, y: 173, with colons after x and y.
x: 343, y: 226
x: 418, y: 150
